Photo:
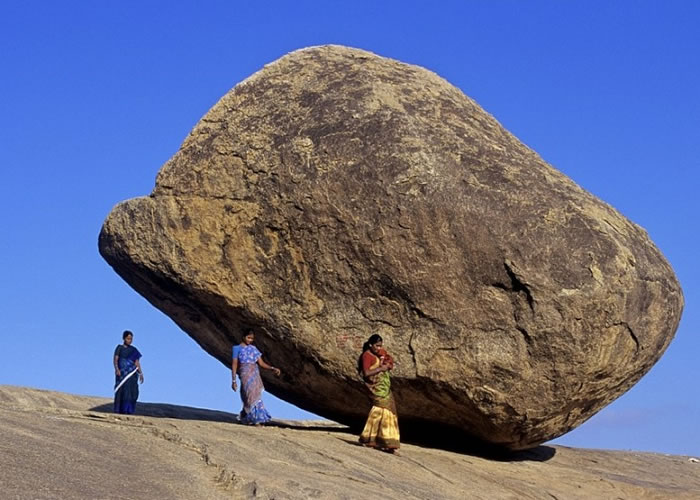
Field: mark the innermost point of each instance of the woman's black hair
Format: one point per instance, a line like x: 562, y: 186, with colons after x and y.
x: 126, y: 334
x: 365, y: 347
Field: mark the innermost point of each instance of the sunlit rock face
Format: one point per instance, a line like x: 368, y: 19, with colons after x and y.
x: 335, y: 194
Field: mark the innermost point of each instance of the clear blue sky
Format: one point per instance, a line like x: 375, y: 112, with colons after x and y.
x: 96, y: 96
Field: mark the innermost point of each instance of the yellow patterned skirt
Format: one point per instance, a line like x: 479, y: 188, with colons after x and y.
x: 382, y: 427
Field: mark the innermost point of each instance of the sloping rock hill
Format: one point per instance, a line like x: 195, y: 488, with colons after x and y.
x: 55, y: 445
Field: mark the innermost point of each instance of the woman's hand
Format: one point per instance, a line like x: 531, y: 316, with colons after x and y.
x: 234, y: 386
x: 117, y: 372
x: 265, y: 366
x: 138, y: 367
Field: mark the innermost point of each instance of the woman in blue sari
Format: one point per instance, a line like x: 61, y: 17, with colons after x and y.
x: 246, y: 362
x: 126, y: 367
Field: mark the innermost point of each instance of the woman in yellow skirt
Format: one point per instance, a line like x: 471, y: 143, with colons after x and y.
x: 382, y: 427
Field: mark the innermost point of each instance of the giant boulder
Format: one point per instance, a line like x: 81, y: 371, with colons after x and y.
x: 336, y: 193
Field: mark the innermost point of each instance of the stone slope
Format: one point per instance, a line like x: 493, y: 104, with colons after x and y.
x: 55, y: 445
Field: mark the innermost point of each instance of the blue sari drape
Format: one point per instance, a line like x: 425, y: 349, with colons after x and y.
x: 126, y: 385
x: 253, y: 411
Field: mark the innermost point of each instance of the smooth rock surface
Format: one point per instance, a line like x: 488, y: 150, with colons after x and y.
x: 336, y: 193
x: 55, y: 445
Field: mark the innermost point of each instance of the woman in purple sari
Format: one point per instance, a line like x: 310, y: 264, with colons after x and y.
x: 126, y: 367
x: 246, y: 362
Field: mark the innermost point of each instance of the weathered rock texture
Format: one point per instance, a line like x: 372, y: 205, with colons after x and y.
x: 336, y: 193
x: 61, y: 446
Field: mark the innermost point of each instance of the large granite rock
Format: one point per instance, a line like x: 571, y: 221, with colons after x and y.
x: 336, y: 193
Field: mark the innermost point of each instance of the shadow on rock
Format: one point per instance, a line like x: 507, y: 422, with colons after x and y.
x: 422, y: 434
x: 537, y: 454
x: 163, y: 410
x: 489, y: 452
x: 418, y: 435
x: 309, y: 425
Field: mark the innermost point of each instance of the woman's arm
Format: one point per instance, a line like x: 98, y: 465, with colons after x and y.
x: 234, y: 369
x: 368, y: 360
x: 379, y: 369
x: 268, y: 367
x: 116, y: 365
x: 138, y: 366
